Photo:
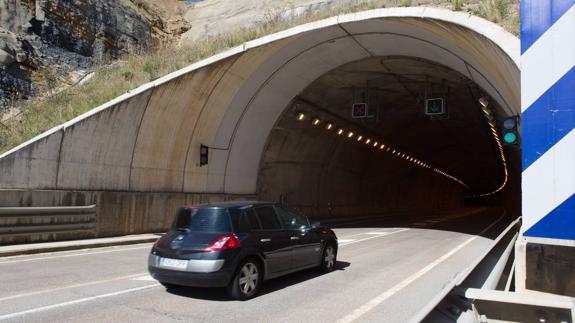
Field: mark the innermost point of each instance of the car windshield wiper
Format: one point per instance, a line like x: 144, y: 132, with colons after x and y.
x: 183, y: 229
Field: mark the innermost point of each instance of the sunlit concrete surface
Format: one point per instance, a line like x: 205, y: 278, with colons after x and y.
x: 141, y: 150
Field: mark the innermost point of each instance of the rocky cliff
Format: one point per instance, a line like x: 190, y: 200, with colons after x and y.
x: 48, y: 44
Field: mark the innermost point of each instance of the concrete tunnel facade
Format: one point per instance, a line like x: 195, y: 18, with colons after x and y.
x: 137, y: 157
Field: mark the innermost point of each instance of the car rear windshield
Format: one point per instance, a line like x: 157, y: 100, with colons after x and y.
x: 203, y: 220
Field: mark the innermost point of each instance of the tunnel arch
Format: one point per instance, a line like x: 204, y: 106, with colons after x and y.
x: 148, y: 139
x: 435, y: 35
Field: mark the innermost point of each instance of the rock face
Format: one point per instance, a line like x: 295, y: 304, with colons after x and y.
x: 54, y: 42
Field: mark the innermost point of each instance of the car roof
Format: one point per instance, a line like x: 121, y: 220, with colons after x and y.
x: 230, y: 204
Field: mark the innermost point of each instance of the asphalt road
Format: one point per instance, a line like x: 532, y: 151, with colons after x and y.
x: 384, y: 274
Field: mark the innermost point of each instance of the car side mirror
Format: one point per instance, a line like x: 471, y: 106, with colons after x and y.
x: 315, y: 225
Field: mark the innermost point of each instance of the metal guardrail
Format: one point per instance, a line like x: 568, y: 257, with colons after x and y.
x: 34, y: 224
x: 457, y: 280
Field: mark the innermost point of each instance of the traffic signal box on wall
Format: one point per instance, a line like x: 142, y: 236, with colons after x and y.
x: 204, y: 151
x: 509, y: 131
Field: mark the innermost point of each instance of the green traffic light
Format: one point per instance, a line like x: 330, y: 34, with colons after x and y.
x: 509, y: 137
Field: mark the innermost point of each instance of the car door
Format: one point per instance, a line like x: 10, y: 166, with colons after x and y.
x: 273, y: 241
x: 306, y: 242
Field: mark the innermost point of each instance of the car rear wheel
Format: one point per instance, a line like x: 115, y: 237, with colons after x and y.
x: 328, y: 258
x: 247, y: 281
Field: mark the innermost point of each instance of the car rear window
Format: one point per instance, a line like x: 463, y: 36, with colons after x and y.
x: 268, y: 218
x: 203, y: 220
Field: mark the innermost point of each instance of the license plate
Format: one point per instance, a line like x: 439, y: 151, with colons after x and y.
x: 173, y: 263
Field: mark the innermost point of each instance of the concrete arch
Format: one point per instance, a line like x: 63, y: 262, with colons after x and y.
x: 148, y: 140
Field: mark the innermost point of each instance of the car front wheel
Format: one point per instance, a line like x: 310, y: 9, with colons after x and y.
x: 246, y: 283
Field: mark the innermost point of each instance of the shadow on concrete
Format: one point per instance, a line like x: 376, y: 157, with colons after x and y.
x: 270, y: 286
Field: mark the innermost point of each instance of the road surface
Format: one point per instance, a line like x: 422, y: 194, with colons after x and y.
x: 384, y: 274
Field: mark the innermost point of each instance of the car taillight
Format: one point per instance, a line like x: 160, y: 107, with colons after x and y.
x: 223, y: 242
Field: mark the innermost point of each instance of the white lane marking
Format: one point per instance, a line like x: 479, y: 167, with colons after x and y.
x: 549, y: 181
x: 376, y: 232
x: 547, y: 60
x: 77, y: 301
x: 145, y: 277
x: 73, y: 255
x: 357, y: 234
x: 70, y: 286
x: 372, y: 237
x: 404, y: 283
x: 345, y: 240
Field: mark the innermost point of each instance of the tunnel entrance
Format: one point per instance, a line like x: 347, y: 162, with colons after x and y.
x: 398, y: 160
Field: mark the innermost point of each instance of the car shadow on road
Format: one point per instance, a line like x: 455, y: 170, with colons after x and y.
x: 270, y: 286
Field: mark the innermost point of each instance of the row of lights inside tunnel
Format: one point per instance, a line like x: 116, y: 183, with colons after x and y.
x: 488, y: 114
x: 374, y: 144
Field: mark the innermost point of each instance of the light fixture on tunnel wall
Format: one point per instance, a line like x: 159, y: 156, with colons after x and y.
x: 363, y: 138
x: 490, y: 120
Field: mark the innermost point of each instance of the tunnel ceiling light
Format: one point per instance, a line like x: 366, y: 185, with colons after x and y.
x: 483, y: 101
x: 328, y: 125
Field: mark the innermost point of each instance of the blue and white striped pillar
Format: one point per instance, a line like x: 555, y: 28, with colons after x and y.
x: 548, y: 119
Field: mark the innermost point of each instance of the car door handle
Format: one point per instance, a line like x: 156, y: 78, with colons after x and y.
x: 294, y: 238
x: 265, y: 240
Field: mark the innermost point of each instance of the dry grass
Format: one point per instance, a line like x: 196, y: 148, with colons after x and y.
x: 137, y: 69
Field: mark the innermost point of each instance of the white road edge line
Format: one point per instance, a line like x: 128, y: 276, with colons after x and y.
x: 360, y: 311
x: 372, y: 237
x: 71, y: 286
x: 77, y: 301
x: 72, y: 255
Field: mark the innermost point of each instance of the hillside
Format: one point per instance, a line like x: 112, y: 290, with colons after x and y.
x: 59, y: 59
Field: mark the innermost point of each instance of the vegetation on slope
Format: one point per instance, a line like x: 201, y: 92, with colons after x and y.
x: 132, y: 71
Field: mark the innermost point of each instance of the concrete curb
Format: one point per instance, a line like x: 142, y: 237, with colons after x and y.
x: 35, y: 248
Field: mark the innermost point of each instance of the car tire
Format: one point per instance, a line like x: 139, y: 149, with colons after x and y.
x: 328, y: 257
x: 247, y: 280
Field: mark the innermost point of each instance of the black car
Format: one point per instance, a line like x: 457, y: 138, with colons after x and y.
x: 238, y: 245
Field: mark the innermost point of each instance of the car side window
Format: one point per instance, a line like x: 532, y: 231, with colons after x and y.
x: 292, y: 219
x: 249, y: 221
x: 268, y: 218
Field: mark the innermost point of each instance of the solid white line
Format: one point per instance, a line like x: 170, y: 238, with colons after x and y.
x: 357, y: 234
x: 372, y: 237
x: 401, y: 285
x: 548, y: 59
x: 72, y: 255
x: 345, y: 240
x: 77, y: 301
x: 70, y: 286
x: 548, y: 181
